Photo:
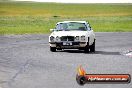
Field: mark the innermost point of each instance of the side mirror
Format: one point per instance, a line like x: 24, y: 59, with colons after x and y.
x: 51, y: 30
x: 91, y: 28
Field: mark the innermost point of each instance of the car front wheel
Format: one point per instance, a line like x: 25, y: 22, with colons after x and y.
x: 86, y: 49
x: 53, y: 49
x: 92, y: 47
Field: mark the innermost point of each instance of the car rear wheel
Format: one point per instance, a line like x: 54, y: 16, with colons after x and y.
x: 53, y: 49
x: 92, y: 47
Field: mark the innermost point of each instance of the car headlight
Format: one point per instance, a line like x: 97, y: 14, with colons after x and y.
x: 82, y: 38
x: 57, y: 38
x: 52, y: 38
x: 77, y: 38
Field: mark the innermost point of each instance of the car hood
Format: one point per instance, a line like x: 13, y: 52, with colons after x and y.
x: 69, y: 33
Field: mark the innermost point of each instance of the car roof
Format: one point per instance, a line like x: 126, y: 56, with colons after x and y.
x: 72, y: 21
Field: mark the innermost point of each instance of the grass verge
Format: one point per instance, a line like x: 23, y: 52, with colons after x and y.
x: 22, y: 18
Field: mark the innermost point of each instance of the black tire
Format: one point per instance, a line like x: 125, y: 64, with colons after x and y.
x: 53, y: 49
x: 86, y: 50
x: 92, y: 47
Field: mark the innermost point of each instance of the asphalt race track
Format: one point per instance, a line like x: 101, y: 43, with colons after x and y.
x: 26, y: 62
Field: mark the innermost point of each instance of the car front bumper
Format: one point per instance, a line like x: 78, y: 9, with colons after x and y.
x: 68, y: 45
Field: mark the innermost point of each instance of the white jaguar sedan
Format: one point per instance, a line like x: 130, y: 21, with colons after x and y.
x: 72, y: 35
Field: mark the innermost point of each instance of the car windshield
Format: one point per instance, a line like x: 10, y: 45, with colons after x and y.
x: 71, y: 26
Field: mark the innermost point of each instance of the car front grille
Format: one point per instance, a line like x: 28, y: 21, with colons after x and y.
x: 67, y: 38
